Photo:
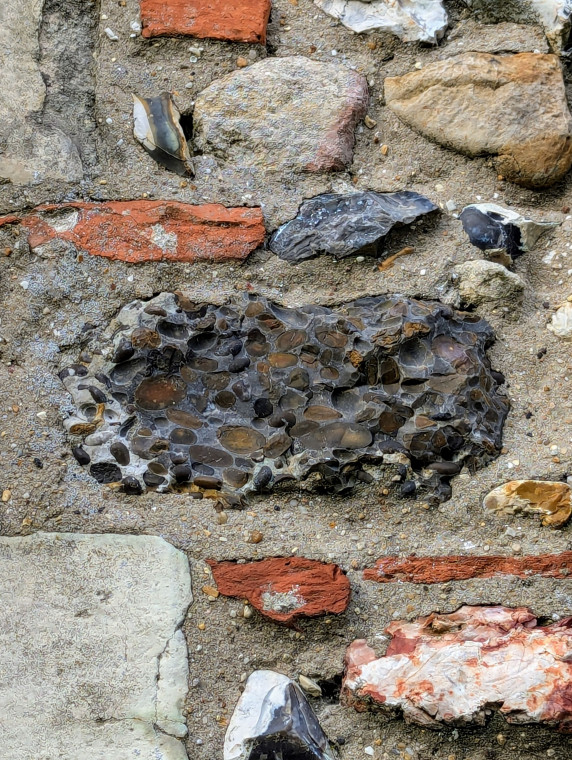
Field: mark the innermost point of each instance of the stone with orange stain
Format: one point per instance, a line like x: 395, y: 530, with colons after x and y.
x: 138, y: 231
x: 552, y: 500
x: 236, y: 21
x: 461, y: 568
x: 282, y: 114
x: 285, y: 588
x: 449, y: 669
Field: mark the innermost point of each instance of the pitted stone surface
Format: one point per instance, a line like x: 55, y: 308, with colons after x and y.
x: 245, y: 396
x: 93, y: 664
x: 264, y: 116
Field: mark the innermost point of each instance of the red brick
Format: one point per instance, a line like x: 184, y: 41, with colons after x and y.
x: 138, y: 231
x: 233, y: 20
x: 462, y: 568
x: 314, y: 588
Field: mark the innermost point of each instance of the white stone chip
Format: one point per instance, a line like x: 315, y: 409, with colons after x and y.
x: 93, y: 663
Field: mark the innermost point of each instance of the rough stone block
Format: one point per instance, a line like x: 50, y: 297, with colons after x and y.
x: 93, y: 663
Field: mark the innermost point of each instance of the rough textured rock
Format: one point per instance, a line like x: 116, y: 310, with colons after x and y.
x: 464, y: 567
x: 249, y: 395
x: 511, y: 107
x: 342, y: 225
x: 554, y: 15
x: 415, y: 20
x: 450, y: 669
x: 236, y: 21
x: 482, y: 281
x: 30, y: 152
x: 92, y: 635
x: 285, y: 588
x: 282, y: 113
x: 273, y: 719
x: 502, y: 233
x: 551, y: 500
x: 561, y: 322
x: 137, y: 231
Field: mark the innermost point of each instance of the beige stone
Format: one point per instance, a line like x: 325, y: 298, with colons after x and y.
x: 512, y: 107
x: 93, y: 663
x: 481, y: 281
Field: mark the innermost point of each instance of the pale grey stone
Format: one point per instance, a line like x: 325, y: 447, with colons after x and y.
x: 413, y: 20
x: 280, y: 114
x: 93, y: 663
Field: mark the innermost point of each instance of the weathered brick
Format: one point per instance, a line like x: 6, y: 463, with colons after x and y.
x: 461, y: 568
x: 236, y: 20
x: 285, y: 588
x: 453, y: 668
x: 138, y: 231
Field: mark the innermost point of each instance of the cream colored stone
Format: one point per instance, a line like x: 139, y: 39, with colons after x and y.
x: 93, y: 663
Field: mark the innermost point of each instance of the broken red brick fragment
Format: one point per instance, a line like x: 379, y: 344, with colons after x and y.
x: 138, y: 231
x: 452, y: 668
x: 236, y: 21
x: 285, y: 588
x: 461, y: 568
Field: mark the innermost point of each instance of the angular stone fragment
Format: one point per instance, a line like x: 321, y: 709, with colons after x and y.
x: 551, y: 500
x: 561, y: 323
x: 285, y: 588
x: 450, y: 669
x: 512, y: 107
x: 281, y: 114
x: 342, y: 225
x: 157, y: 127
x: 239, y: 398
x: 554, y: 15
x: 93, y: 637
x: 138, y: 231
x: 273, y: 719
x: 414, y: 20
x: 236, y: 21
x: 501, y: 232
x: 464, y: 567
x: 484, y: 281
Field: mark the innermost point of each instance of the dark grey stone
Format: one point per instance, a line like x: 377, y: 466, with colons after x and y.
x: 344, y: 225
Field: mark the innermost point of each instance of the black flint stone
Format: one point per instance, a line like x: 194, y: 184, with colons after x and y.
x: 343, y: 225
x: 105, y: 472
x: 491, y: 231
x: 81, y: 455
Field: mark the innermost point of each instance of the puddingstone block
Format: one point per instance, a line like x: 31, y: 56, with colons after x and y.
x: 93, y: 663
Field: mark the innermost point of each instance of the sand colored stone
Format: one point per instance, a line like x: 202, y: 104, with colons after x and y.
x: 93, y: 661
x: 137, y: 231
x: 551, y: 500
x: 285, y: 588
x: 512, y: 107
x: 233, y: 20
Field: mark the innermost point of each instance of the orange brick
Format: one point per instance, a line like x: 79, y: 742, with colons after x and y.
x: 138, y: 231
x: 233, y: 20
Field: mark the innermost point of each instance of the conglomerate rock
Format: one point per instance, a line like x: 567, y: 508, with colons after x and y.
x: 250, y: 394
x: 450, y: 669
x: 280, y: 114
x: 512, y: 107
x: 346, y: 224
